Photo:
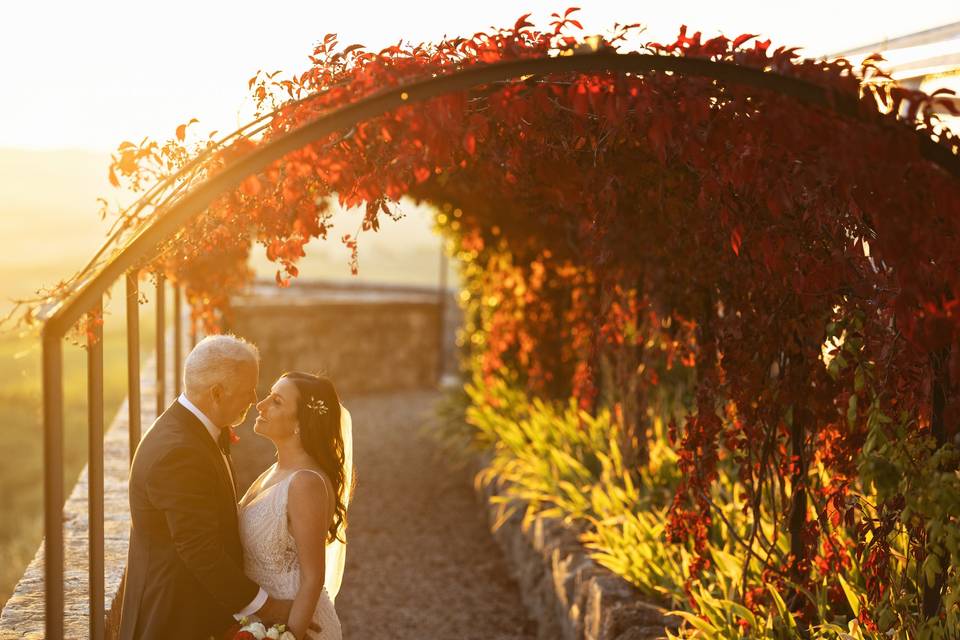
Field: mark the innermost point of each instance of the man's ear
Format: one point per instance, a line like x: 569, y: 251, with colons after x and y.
x: 216, y: 392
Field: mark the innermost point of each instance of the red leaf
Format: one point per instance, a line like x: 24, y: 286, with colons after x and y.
x: 736, y: 238
x: 422, y: 173
x: 182, y: 130
x: 250, y: 186
x: 470, y: 143
x: 522, y: 22
x: 741, y: 39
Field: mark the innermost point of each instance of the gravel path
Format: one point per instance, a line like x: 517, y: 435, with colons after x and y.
x: 421, y: 561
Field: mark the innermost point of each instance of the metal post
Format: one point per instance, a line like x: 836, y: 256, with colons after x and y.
x: 193, y: 331
x: 53, y: 482
x: 133, y: 360
x: 161, y: 345
x: 95, y: 472
x: 442, y: 311
x: 177, y: 340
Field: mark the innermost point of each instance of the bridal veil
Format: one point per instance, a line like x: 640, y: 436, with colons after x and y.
x: 336, y: 552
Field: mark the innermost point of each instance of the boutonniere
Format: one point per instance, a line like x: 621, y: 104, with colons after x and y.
x: 234, y: 438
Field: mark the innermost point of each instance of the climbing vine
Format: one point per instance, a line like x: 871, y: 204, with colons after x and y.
x: 791, y: 273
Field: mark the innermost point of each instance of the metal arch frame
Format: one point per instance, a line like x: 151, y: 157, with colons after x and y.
x: 90, y: 293
x: 201, y: 197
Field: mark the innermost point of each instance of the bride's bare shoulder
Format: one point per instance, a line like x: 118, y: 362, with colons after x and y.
x: 309, y: 486
x: 309, y: 478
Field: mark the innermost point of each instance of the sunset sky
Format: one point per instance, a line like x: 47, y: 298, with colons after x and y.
x: 91, y: 74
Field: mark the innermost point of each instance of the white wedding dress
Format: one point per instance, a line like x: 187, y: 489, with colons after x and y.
x: 270, y: 554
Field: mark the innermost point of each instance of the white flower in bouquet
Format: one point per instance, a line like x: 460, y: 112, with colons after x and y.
x: 259, y: 631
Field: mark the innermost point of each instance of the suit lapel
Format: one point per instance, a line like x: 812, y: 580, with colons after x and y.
x: 195, y: 429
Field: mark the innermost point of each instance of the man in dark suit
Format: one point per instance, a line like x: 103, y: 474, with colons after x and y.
x: 185, y: 569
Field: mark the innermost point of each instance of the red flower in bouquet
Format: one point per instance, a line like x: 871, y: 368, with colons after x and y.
x: 231, y: 632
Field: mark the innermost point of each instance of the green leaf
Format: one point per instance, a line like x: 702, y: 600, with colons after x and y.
x: 852, y: 598
x: 782, y: 610
x: 931, y: 568
x: 727, y: 564
x: 742, y: 612
x: 852, y: 411
x: 698, y: 623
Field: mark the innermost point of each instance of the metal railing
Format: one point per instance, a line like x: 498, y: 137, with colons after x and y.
x: 88, y: 298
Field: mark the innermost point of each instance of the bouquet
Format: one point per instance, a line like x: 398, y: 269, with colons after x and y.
x: 257, y: 631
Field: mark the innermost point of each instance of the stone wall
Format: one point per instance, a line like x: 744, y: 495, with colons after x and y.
x: 570, y: 595
x: 366, y: 338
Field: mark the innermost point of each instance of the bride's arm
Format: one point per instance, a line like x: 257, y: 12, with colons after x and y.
x: 310, y: 517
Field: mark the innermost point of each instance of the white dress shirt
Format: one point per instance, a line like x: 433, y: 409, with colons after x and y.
x: 214, y: 432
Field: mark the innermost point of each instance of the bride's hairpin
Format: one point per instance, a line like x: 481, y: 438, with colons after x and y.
x: 317, y: 405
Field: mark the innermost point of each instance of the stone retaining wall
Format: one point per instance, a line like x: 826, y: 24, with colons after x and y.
x: 366, y: 338
x: 570, y: 595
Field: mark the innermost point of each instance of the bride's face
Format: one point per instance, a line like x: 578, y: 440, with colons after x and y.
x: 277, y: 417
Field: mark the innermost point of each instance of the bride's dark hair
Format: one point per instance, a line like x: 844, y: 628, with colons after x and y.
x: 320, y: 436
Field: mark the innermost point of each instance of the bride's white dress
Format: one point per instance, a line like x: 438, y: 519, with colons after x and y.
x: 270, y: 554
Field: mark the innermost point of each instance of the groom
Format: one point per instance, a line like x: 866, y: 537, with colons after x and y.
x: 185, y: 568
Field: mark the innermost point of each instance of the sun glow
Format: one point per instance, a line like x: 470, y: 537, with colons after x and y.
x: 93, y: 74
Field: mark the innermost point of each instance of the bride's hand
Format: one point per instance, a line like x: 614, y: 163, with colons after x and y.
x: 275, y: 611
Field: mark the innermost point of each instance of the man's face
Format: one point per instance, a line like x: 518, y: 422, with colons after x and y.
x: 238, y: 394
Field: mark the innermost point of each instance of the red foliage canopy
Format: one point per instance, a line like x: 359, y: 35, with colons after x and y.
x: 740, y: 225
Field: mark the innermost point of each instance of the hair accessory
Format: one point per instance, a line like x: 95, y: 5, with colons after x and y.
x: 317, y: 405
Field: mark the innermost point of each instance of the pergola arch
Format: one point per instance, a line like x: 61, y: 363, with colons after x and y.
x: 87, y: 296
x: 193, y: 203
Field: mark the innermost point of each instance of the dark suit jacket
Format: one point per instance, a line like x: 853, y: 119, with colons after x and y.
x: 185, y: 568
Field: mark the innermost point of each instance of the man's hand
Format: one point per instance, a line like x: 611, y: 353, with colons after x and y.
x: 275, y: 611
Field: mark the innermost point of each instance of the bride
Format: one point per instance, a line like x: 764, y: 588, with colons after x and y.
x: 294, y: 516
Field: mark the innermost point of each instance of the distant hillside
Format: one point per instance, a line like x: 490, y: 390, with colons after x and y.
x: 48, y: 215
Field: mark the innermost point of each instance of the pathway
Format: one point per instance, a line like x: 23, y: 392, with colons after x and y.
x: 421, y: 561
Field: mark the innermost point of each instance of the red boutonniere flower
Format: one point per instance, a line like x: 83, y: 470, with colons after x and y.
x: 234, y: 438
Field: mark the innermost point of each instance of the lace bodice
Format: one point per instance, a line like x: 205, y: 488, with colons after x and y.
x: 270, y: 552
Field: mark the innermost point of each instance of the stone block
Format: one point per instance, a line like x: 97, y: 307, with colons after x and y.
x: 570, y: 595
x: 365, y: 338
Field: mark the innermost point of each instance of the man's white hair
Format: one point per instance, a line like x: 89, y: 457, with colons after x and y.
x: 215, y: 360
